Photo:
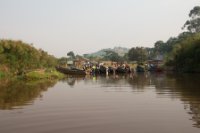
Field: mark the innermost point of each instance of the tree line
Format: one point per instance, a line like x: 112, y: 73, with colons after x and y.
x: 181, y: 52
x: 18, y: 57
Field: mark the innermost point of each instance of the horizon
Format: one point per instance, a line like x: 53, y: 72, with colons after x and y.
x: 84, y: 27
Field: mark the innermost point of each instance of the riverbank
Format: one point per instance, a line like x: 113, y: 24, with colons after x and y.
x: 43, y: 74
x: 39, y: 74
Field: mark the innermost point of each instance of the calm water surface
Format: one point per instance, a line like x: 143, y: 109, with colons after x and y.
x: 141, y: 103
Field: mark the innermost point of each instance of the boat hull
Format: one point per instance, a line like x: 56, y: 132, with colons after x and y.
x: 70, y: 71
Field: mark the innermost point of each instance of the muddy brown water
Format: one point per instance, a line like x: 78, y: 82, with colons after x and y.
x: 139, y: 103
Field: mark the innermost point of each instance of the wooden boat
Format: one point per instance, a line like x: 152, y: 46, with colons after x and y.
x: 102, y: 70
x: 71, y: 71
x: 111, y: 70
x: 140, y: 69
x: 122, y: 70
x: 155, y: 69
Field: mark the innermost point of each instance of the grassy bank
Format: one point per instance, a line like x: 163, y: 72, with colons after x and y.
x: 34, y: 75
x: 43, y: 74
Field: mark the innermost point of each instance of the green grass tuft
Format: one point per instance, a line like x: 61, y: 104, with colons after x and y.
x: 50, y: 74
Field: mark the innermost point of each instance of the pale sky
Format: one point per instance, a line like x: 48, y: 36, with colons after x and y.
x: 86, y: 26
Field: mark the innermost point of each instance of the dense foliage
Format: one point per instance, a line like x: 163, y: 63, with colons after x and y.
x: 183, y: 52
x: 71, y: 54
x: 18, y: 57
x: 165, y: 48
x: 112, y: 56
x: 185, y: 56
x: 137, y: 54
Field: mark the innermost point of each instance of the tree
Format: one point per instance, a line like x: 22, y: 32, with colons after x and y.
x: 1, y: 49
x: 150, y: 53
x: 71, y: 54
x: 137, y: 54
x: 62, y: 61
x: 185, y: 56
x: 18, y: 56
x: 159, y: 47
x: 112, y: 56
x: 193, y: 25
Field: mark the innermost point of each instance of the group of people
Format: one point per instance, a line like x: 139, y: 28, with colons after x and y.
x: 95, y: 69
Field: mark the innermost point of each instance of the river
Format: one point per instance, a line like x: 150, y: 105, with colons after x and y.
x: 139, y: 103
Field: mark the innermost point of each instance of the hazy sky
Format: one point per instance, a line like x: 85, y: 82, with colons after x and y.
x: 85, y: 26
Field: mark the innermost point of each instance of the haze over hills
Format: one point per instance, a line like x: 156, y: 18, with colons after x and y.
x: 121, y: 51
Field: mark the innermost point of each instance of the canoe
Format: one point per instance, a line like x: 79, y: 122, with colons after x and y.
x: 140, y: 69
x: 73, y: 71
x: 102, y: 70
x: 155, y: 69
x: 122, y: 70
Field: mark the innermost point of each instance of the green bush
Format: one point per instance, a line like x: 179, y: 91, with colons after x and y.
x: 35, y: 75
x: 20, y: 57
x: 186, y: 54
x: 2, y: 74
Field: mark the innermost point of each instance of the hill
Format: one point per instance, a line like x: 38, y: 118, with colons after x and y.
x: 121, y: 51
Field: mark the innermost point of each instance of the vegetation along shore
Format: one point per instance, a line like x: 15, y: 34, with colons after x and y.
x: 19, y: 59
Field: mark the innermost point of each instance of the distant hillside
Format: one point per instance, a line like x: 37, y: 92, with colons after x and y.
x: 101, y: 53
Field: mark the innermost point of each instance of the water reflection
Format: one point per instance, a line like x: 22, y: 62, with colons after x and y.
x: 15, y: 94
x: 188, y: 89
x: 184, y: 87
